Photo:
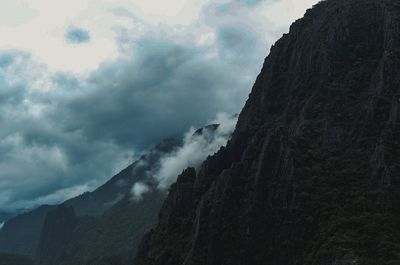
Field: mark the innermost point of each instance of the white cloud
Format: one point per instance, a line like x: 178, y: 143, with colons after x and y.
x: 138, y: 190
x: 195, y: 149
x: 197, y: 146
x: 39, y: 26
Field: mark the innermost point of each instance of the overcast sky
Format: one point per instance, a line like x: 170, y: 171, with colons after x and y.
x: 87, y: 85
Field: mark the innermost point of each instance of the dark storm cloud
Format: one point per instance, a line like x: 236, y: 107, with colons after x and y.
x: 77, y: 35
x: 61, y: 141
x: 161, y: 93
x: 235, y: 43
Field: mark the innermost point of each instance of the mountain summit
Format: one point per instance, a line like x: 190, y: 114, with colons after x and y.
x: 312, y: 172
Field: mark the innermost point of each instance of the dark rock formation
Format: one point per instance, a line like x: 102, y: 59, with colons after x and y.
x: 312, y: 172
x: 211, y: 128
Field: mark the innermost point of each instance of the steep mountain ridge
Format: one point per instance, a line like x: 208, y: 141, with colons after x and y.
x: 311, y: 174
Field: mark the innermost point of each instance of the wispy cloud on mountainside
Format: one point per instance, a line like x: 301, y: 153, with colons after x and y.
x: 197, y: 146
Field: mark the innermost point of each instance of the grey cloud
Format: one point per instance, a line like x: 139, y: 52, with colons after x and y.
x: 250, y: 2
x: 161, y: 93
x: 238, y: 45
x: 11, y: 91
x: 7, y: 58
x: 59, y: 142
x: 77, y: 35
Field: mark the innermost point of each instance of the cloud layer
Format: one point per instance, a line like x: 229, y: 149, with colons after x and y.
x: 66, y: 132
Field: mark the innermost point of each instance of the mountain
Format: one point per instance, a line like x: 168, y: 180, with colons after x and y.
x: 97, y: 202
x: 71, y: 240
x: 4, y: 216
x: 112, y: 237
x: 312, y: 172
x: 21, y: 234
x: 7, y: 259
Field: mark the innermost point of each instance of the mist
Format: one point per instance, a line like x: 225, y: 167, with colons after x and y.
x: 197, y: 145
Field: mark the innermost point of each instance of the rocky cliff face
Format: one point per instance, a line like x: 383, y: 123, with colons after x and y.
x: 312, y: 172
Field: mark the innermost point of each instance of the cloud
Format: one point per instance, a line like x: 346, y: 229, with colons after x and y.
x: 77, y: 35
x: 197, y: 146
x: 138, y: 190
x: 38, y: 27
x: 163, y: 91
x: 71, y: 135
x: 64, y: 133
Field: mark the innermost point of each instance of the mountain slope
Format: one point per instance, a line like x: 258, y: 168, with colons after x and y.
x: 311, y: 174
x: 113, y: 237
x: 97, y: 202
x: 71, y: 240
x: 21, y: 234
x: 4, y: 216
x: 7, y: 259
x: 105, y: 222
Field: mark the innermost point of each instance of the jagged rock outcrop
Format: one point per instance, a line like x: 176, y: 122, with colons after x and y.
x: 312, y: 172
